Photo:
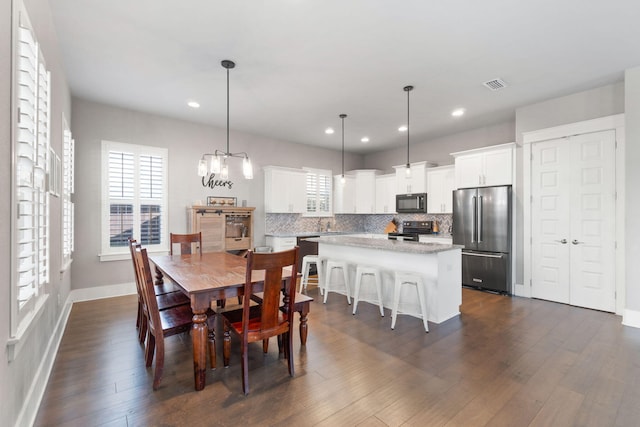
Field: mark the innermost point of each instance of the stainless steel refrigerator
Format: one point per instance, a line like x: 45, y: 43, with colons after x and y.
x: 482, y: 223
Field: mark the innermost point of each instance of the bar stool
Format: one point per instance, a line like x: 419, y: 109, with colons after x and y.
x: 333, y: 264
x: 412, y: 279
x: 307, y: 262
x: 367, y: 270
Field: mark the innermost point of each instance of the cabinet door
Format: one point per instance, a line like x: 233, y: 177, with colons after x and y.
x: 212, y: 228
x: 440, y: 183
x: 386, y: 194
x: 285, y: 191
x: 365, y: 192
x: 498, y: 168
x: 344, y: 199
x: 469, y: 171
x: 415, y: 182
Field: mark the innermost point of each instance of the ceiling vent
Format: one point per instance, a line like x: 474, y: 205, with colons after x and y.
x: 495, y: 84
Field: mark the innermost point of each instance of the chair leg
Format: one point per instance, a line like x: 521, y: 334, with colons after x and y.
x: 356, y: 291
x: 142, y: 332
x: 157, y: 377
x: 140, y: 314
x: 289, y: 351
x: 226, y: 347
x: 265, y: 346
x: 212, y: 348
x: 379, y: 289
x: 280, y: 345
x: 423, y: 305
x: 245, y: 368
x: 345, y: 275
x: 396, y: 302
x: 150, y: 349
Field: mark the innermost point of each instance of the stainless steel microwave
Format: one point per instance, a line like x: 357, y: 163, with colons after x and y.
x: 411, y: 203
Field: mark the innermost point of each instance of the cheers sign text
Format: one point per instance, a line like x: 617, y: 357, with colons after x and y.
x: 212, y: 182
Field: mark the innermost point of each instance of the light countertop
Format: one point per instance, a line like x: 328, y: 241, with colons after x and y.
x: 387, y: 245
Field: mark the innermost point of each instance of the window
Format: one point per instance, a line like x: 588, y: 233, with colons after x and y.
x: 68, y: 158
x: 318, y: 191
x: 134, y: 198
x: 30, y: 197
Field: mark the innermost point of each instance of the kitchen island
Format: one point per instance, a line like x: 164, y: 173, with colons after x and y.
x: 439, y: 264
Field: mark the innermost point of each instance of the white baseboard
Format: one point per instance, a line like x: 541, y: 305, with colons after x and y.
x: 631, y: 318
x: 100, y: 292
x: 29, y: 409
x: 521, y: 290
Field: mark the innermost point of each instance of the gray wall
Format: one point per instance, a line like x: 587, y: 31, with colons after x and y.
x: 632, y: 176
x: 437, y: 150
x: 17, y: 376
x: 93, y: 122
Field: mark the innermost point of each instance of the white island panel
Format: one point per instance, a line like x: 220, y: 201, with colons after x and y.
x: 440, y: 266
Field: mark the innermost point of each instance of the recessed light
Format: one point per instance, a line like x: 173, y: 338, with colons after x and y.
x: 364, y: 139
x: 193, y: 104
x: 458, y: 112
x: 402, y: 128
x: 329, y: 131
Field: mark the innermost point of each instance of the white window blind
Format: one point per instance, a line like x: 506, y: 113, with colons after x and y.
x: 136, y: 194
x: 68, y: 154
x: 30, y: 197
x: 319, y: 192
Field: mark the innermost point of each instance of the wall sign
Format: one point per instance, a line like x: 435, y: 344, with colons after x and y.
x: 212, y: 182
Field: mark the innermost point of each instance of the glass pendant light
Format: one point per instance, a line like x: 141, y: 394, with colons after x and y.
x: 217, y: 162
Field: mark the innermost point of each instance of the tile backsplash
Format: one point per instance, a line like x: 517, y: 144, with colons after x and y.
x: 296, y: 223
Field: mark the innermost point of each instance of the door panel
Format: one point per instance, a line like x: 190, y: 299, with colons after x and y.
x: 464, y: 209
x: 592, y: 227
x: 573, y: 201
x: 550, y: 180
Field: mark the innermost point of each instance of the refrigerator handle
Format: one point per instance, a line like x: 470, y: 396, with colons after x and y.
x: 475, y: 219
x: 480, y: 202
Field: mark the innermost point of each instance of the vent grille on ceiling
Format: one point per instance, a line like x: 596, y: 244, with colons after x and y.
x: 495, y: 84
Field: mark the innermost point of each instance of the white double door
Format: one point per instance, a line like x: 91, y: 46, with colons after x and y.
x: 573, y: 220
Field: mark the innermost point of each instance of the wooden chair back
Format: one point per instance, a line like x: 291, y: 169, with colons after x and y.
x: 148, y: 292
x: 186, y: 242
x: 270, y: 323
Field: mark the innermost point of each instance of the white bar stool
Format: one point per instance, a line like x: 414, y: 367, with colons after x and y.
x: 413, y: 279
x: 366, y: 270
x: 333, y: 264
x: 307, y: 262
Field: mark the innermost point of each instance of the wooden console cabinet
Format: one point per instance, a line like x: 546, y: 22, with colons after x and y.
x: 223, y: 228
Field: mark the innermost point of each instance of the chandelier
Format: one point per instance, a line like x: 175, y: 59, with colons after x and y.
x: 217, y: 162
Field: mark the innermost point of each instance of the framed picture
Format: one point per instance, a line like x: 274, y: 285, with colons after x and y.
x: 221, y: 201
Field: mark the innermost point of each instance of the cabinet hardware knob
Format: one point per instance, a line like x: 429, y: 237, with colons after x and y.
x: 563, y: 241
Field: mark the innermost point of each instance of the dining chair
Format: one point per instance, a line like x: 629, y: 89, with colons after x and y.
x: 165, y: 300
x: 163, y: 323
x: 259, y: 323
x: 186, y: 242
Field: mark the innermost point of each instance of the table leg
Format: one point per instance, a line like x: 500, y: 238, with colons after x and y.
x: 199, y: 338
x: 159, y: 277
x: 303, y: 327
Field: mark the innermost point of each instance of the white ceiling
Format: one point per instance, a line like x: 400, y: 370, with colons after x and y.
x: 300, y: 63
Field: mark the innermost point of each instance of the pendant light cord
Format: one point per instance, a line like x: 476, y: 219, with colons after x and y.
x: 227, y: 111
x: 342, y: 116
x: 408, y: 89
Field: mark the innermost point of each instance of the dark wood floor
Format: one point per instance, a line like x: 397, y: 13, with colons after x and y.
x: 504, y: 362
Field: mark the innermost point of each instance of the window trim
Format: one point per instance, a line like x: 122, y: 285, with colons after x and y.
x: 68, y: 183
x: 22, y: 318
x: 115, y: 254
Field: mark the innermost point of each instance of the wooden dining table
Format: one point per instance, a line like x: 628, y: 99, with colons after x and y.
x: 206, y: 278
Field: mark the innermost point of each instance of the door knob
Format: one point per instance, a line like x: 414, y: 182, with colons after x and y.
x: 575, y: 242
x: 563, y: 241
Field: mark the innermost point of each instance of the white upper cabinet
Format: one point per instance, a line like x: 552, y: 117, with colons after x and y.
x: 386, y: 193
x: 344, y: 194
x: 365, y: 191
x: 416, y: 182
x: 284, y: 190
x: 440, y: 185
x: 484, y: 167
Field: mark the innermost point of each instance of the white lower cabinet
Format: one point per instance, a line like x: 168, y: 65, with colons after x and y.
x: 279, y: 243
